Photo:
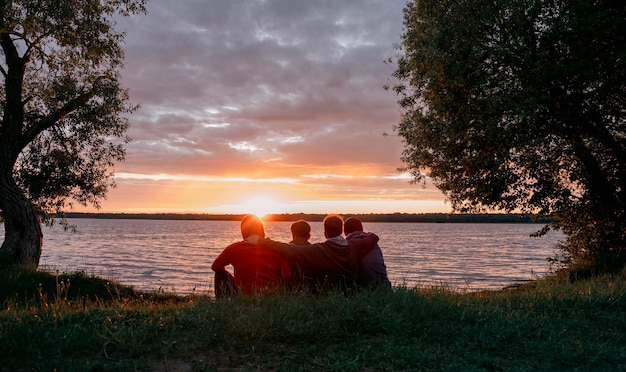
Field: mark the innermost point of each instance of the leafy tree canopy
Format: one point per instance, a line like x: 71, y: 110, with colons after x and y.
x: 62, y: 109
x: 520, y: 106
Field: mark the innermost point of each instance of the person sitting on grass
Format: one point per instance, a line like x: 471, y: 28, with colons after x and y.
x: 255, y: 269
x: 332, y: 264
x: 372, y: 270
x: 300, y: 235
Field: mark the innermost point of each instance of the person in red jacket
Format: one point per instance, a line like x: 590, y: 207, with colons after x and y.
x: 255, y: 269
x: 332, y: 264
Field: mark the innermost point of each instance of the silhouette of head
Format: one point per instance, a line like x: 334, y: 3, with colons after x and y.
x: 252, y: 225
x: 301, y: 229
x: 333, y: 225
x: 352, y: 224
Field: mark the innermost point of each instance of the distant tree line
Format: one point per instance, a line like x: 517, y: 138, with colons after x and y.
x: 317, y: 217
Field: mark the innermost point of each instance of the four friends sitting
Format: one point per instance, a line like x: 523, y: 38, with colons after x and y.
x: 341, y: 262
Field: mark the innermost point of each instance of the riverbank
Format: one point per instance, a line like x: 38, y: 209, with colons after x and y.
x: 79, y: 322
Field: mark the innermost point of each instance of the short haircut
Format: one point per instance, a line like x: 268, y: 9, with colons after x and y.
x: 333, y: 225
x: 352, y: 224
x: 301, y: 229
x: 252, y: 225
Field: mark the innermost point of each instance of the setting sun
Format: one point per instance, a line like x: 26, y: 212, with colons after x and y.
x: 260, y: 205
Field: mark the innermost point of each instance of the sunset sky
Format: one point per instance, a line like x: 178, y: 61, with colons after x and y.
x: 272, y: 106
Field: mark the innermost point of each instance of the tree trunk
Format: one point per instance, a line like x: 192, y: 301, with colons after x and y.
x: 22, y: 231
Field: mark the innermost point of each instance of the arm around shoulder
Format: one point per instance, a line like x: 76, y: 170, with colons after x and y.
x: 275, y: 246
x: 367, y: 238
x: 364, y: 242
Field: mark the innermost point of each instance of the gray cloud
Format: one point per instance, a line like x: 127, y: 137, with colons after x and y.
x: 273, y: 88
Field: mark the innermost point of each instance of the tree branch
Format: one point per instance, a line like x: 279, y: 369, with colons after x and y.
x: 49, y: 121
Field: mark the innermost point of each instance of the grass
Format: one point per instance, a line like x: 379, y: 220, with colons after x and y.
x: 78, y: 322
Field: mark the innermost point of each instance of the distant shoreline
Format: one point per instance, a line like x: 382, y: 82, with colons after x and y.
x: 314, y: 217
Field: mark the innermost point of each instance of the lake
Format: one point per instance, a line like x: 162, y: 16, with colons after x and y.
x: 176, y: 256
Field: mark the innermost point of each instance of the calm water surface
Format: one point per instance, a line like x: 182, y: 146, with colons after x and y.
x: 176, y: 256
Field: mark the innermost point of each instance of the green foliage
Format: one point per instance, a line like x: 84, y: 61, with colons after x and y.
x: 64, y: 119
x: 63, y: 113
x: 521, y: 106
x: 551, y: 324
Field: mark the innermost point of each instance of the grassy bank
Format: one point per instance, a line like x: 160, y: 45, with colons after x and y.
x: 78, y: 322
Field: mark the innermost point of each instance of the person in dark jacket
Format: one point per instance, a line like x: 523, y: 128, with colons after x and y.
x: 372, y: 270
x: 332, y: 264
x: 300, y: 235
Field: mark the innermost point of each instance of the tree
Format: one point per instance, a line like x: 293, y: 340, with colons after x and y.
x: 62, y: 111
x: 519, y: 105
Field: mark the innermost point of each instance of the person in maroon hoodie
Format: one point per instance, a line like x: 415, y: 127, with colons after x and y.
x: 333, y: 264
x: 372, y: 269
